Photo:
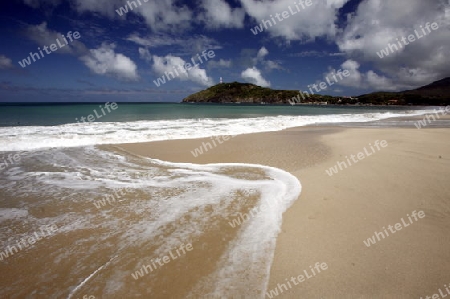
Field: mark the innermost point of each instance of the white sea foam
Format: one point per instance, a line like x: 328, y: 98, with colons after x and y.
x: 10, y: 214
x: 207, y: 194
x: 27, y: 138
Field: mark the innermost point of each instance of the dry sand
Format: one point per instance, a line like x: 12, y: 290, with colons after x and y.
x: 334, y: 215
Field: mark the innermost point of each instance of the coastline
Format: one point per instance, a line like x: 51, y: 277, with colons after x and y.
x: 334, y: 215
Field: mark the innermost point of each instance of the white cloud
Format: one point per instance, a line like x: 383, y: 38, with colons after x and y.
x: 44, y: 36
x: 218, y: 14
x: 5, y: 62
x: 355, y: 78
x: 104, y: 7
x: 165, y: 15
x: 175, y: 16
x: 377, y: 23
x: 222, y: 63
x: 104, y: 61
x: 192, y: 45
x: 263, y: 52
x: 39, y: 3
x: 315, y: 54
x: 254, y: 76
x: 144, y: 54
x: 379, y: 82
x: 161, y: 15
x: 169, y: 63
x: 272, y: 65
x: 317, y: 20
x: 268, y: 64
x: 358, y: 79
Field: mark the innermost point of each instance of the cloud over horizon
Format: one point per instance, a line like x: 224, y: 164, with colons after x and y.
x: 104, y: 61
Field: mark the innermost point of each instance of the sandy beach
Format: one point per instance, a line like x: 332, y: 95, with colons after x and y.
x: 335, y: 214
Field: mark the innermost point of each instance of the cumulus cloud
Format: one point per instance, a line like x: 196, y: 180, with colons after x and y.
x: 377, y: 23
x: 358, y: 79
x: 219, y: 14
x: 104, y: 61
x: 165, y: 15
x: 317, y: 20
x: 5, y: 62
x: 268, y: 65
x: 253, y: 75
x: 355, y: 78
x: 163, y: 65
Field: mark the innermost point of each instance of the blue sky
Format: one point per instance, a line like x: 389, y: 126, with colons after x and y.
x: 117, y: 57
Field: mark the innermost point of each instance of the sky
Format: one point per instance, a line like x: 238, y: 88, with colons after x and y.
x: 165, y: 50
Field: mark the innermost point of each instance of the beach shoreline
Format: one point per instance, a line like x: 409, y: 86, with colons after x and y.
x: 335, y: 214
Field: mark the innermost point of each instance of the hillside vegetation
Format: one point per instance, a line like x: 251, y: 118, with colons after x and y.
x: 437, y: 93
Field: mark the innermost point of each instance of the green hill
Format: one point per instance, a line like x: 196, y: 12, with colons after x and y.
x: 436, y: 93
x: 243, y: 93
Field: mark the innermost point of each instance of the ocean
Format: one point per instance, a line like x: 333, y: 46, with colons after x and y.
x: 31, y: 127
x: 111, y: 213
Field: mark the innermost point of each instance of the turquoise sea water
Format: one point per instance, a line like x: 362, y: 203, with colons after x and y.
x: 51, y: 114
x: 33, y: 127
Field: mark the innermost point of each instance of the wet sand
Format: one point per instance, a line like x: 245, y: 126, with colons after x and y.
x: 335, y: 214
